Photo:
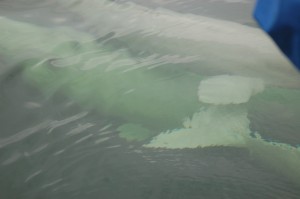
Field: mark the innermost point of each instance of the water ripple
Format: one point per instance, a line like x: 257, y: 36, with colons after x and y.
x: 23, y: 134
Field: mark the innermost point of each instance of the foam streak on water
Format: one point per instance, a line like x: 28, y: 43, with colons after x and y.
x: 23, y: 134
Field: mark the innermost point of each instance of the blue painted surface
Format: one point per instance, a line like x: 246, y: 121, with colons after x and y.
x: 281, y: 20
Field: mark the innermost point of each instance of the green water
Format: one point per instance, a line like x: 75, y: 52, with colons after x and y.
x: 103, y: 99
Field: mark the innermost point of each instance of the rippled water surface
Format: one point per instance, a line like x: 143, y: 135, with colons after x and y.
x: 144, y: 99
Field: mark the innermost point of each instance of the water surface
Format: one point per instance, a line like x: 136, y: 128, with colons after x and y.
x: 74, y: 75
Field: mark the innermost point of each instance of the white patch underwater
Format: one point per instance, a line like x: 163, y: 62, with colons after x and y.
x: 225, y: 89
x: 215, y: 125
x: 212, y: 126
x: 227, y: 125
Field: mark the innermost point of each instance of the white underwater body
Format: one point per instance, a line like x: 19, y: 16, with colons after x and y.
x: 172, y: 81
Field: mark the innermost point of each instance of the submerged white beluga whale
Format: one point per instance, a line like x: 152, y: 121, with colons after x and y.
x: 172, y: 80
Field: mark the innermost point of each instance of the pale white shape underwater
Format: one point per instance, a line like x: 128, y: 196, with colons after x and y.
x: 220, y: 125
x: 215, y: 125
x: 212, y: 126
x: 226, y: 89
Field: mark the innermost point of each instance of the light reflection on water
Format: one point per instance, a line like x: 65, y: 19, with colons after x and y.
x: 60, y: 126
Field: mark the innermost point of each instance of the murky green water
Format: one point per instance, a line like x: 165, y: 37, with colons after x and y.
x: 156, y: 99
